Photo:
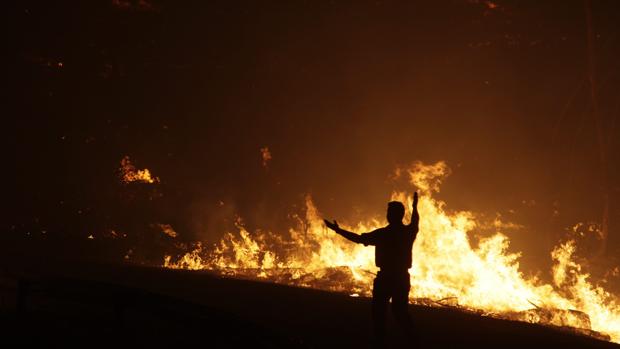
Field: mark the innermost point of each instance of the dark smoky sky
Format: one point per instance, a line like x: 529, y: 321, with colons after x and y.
x: 341, y: 92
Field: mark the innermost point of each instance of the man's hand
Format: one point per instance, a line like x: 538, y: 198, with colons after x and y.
x: 333, y: 226
x: 346, y: 234
x: 415, y: 199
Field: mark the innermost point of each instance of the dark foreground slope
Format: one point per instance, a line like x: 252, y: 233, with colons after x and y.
x: 73, y: 304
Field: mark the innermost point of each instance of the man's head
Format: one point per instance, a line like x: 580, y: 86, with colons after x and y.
x: 395, y: 212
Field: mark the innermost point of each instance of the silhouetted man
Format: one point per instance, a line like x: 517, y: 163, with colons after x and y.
x: 393, y: 244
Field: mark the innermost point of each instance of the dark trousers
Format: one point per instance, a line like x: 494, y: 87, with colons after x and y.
x: 394, y: 285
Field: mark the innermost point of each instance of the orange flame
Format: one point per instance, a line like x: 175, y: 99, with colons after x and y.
x: 447, y: 269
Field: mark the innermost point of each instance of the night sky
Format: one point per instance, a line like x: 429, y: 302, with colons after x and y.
x: 340, y: 92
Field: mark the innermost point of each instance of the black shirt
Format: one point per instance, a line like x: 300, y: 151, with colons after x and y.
x: 393, y: 245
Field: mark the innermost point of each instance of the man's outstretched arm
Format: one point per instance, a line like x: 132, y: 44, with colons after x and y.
x: 344, y: 233
x: 415, y: 216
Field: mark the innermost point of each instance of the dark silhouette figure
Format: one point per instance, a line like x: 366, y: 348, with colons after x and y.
x: 393, y: 244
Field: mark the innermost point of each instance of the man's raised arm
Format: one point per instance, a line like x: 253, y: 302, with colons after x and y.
x: 344, y: 233
x: 415, y: 216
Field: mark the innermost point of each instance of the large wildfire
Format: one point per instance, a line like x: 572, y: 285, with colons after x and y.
x: 448, y: 269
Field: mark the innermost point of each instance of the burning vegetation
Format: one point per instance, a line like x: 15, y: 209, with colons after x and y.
x: 129, y: 173
x: 448, y: 270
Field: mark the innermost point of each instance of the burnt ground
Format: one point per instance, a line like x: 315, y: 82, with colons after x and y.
x: 51, y: 303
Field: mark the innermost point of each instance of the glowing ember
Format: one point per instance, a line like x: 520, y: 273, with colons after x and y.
x: 491, y: 5
x: 265, y: 155
x: 447, y: 269
x: 129, y: 173
x: 168, y: 230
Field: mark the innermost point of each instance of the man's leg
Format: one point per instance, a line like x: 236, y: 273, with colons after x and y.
x: 400, y: 304
x: 380, y: 300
